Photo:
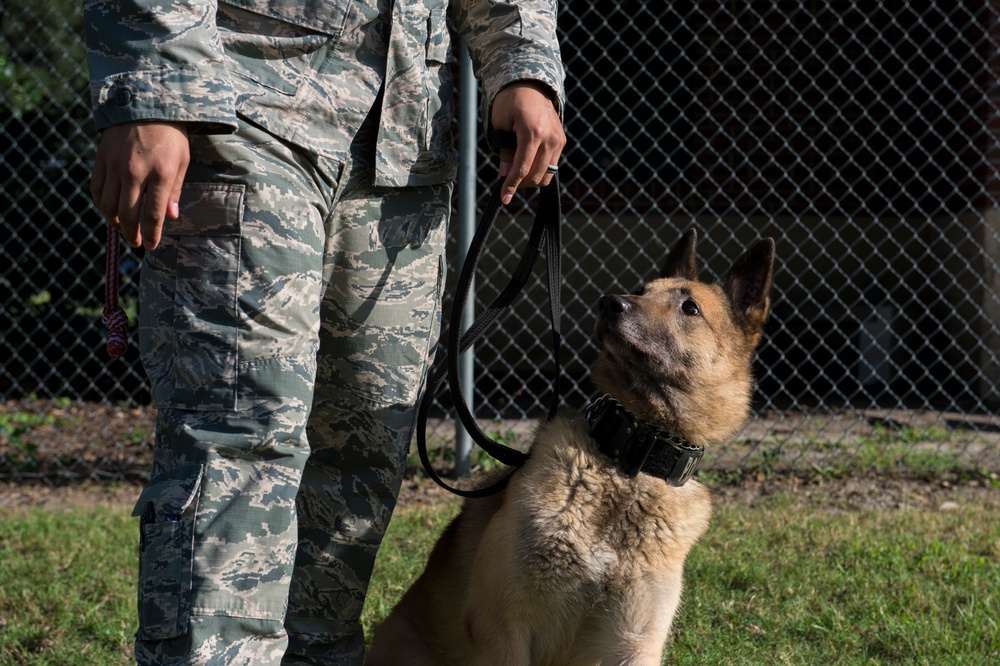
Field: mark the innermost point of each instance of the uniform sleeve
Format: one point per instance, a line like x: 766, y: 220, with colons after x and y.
x: 158, y: 60
x: 511, y: 41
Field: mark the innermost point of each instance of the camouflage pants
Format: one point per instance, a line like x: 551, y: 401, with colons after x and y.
x: 286, y: 322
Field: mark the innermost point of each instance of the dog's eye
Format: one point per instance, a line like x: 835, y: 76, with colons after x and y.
x: 690, y: 308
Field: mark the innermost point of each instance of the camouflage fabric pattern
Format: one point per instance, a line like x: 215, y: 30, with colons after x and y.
x: 166, y: 507
x: 281, y: 442
x: 154, y: 60
x: 380, y: 322
x: 310, y: 70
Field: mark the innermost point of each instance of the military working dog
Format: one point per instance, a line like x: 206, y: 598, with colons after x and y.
x: 579, y: 560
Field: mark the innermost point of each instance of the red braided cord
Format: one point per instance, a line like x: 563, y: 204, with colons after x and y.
x: 114, y: 317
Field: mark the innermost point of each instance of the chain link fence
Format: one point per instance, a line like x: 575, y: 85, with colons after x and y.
x: 861, y: 136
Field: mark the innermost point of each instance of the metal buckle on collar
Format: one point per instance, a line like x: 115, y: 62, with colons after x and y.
x: 686, y: 464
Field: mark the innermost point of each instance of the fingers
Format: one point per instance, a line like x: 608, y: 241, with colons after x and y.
x: 506, y: 158
x: 129, y: 206
x: 526, y: 109
x: 161, y: 202
x: 103, y: 187
x: 529, y: 164
x: 116, y: 205
x: 174, y: 203
x: 137, y: 178
x: 153, y: 213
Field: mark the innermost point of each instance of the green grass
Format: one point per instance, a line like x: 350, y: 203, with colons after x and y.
x: 67, y: 588
x: 784, y: 583
x: 794, y: 585
x: 926, y: 454
x: 411, y: 535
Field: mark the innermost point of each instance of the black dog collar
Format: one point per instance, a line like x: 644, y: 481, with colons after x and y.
x: 635, y: 447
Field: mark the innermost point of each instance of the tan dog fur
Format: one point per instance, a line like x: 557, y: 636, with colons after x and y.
x: 575, y: 563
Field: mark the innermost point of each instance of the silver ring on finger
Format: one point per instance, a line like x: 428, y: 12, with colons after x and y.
x: 552, y: 168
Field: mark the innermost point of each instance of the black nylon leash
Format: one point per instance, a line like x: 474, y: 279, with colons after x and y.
x: 545, y: 235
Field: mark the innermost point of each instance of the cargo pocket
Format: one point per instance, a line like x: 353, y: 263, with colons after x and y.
x: 167, y: 508
x: 206, y: 241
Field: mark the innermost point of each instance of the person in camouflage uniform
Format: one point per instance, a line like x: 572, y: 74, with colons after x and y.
x: 287, y: 166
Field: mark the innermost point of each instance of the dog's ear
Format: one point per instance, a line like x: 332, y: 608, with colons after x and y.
x: 681, y: 262
x: 748, y: 285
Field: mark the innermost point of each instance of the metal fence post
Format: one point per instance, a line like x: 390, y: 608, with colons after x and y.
x: 468, y: 135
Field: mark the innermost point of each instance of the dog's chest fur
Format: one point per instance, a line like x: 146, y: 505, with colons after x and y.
x: 586, y: 523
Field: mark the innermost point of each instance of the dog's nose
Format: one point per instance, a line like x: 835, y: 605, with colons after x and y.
x: 612, y: 306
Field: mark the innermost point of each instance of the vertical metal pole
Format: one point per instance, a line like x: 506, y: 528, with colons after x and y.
x: 468, y: 134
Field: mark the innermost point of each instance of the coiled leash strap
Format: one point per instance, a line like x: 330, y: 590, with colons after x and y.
x: 114, y: 318
x: 545, y: 234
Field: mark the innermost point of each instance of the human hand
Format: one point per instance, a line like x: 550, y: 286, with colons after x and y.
x: 525, y: 109
x: 138, y: 174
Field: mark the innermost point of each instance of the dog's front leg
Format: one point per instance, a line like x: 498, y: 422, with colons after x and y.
x: 397, y: 642
x: 497, y: 641
x: 631, y: 627
x: 497, y: 615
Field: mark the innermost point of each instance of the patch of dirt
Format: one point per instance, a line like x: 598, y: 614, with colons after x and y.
x: 57, y: 454
x: 55, y: 442
x: 862, y: 493
x: 81, y: 496
x: 849, y: 494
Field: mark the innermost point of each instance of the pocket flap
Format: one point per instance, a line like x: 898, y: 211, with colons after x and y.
x: 438, y: 38
x: 171, y: 492
x: 208, y: 209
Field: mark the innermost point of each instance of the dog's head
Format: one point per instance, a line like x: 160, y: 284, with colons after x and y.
x: 678, y: 353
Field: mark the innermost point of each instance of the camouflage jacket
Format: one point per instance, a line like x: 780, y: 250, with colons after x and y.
x: 313, y: 75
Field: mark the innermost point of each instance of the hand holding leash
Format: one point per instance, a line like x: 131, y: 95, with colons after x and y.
x: 545, y: 234
x: 526, y: 111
